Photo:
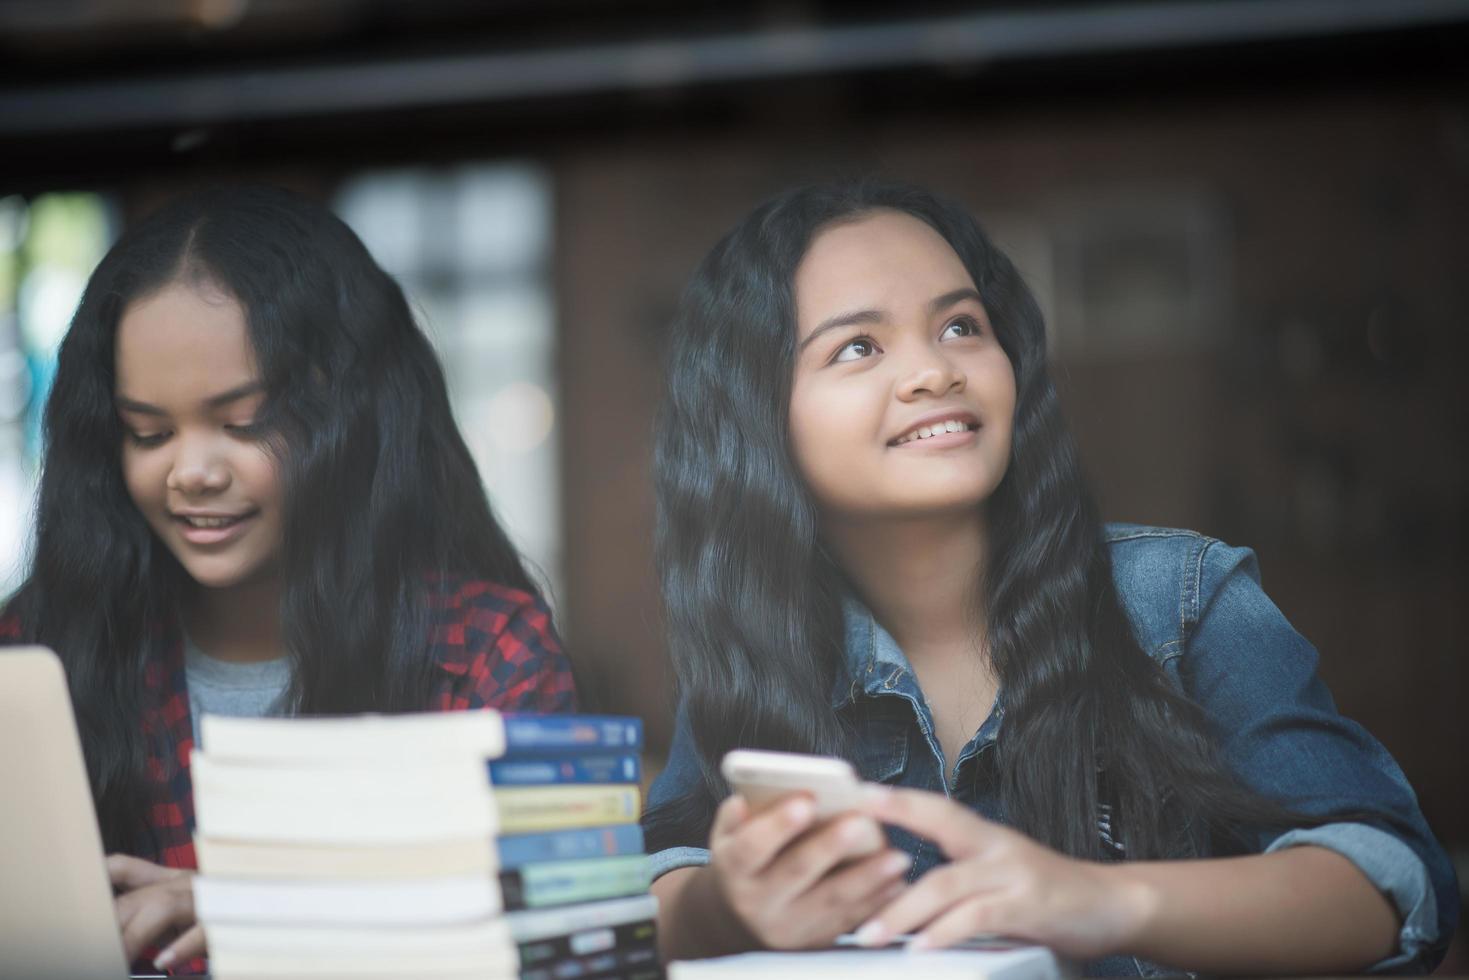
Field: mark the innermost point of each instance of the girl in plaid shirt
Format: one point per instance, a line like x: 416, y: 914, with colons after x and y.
x: 249, y: 443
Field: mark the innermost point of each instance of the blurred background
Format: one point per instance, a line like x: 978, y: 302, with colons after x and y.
x: 1245, y: 219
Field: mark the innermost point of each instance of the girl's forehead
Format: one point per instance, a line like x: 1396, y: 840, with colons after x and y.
x: 180, y: 338
x: 878, y: 259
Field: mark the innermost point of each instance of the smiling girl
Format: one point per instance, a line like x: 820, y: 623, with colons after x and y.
x: 876, y: 542
x: 255, y: 501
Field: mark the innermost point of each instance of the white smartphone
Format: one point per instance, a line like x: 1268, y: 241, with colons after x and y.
x: 765, y: 778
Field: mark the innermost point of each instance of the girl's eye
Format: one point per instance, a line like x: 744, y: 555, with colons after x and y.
x: 964, y: 326
x: 147, y: 440
x: 854, y: 349
x: 248, y: 430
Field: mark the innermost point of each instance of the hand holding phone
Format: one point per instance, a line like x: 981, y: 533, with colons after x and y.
x: 797, y: 876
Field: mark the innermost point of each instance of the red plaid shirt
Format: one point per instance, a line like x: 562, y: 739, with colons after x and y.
x: 495, y: 646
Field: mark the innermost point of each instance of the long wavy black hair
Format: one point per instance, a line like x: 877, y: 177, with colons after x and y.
x: 381, y: 496
x: 753, y: 602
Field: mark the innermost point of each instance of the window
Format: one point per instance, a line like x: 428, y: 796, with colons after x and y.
x: 48, y: 247
x: 471, y: 247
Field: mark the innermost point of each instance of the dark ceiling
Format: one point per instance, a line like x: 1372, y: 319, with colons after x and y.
x: 131, y: 83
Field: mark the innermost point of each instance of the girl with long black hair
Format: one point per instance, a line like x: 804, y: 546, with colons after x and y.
x: 875, y: 541
x: 255, y: 501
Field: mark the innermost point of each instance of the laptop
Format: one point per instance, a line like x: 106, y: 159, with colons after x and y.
x: 56, y: 917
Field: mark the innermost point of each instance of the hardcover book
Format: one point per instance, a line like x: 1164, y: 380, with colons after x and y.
x: 578, y: 843
x: 525, y: 809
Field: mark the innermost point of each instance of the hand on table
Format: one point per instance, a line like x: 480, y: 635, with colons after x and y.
x: 999, y: 881
x: 795, y: 882
x: 154, y: 904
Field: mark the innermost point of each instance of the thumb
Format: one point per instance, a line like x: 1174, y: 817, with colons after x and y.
x: 128, y: 873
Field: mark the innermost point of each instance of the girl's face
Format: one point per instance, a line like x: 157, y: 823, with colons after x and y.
x: 188, y: 392
x: 902, y: 400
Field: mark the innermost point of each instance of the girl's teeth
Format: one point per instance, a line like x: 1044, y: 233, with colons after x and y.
x: 210, y: 521
x: 929, y: 431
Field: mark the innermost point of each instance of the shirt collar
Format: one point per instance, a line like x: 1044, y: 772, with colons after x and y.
x: 873, y: 662
x: 870, y: 655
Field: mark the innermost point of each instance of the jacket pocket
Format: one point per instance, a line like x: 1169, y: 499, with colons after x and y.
x: 881, y: 751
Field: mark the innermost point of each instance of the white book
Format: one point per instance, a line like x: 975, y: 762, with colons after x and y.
x: 349, y: 803
x: 430, y: 901
x: 532, y: 925
x: 1017, y: 963
x: 228, y: 858
x: 485, y: 937
x: 371, y: 738
x: 503, y: 963
x: 215, y: 974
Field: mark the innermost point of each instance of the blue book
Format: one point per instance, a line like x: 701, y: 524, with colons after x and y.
x: 518, y: 850
x: 591, y: 768
x: 542, y: 735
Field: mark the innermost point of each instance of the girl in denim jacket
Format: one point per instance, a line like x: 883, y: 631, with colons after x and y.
x: 875, y: 541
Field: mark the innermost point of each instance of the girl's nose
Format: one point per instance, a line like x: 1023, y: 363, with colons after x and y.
x: 930, y: 374
x: 198, y: 469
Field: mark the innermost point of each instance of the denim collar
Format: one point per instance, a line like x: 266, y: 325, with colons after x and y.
x: 874, y: 665
x: 872, y: 659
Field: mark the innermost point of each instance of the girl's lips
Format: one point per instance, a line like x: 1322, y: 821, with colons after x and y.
x: 935, y: 423
x: 946, y: 440
x: 214, y: 535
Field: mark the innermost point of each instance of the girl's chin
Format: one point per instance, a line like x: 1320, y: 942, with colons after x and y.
x: 958, y: 509
x: 223, y: 577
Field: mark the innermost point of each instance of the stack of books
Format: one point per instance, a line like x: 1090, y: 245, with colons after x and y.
x: 572, y: 867
x: 367, y: 846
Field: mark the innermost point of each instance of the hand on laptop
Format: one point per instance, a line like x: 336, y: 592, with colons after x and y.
x: 153, y: 905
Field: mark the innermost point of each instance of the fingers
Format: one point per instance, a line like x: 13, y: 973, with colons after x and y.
x: 754, y: 842
x: 879, y: 900
x: 186, y: 947
x: 126, y: 906
x: 158, y: 910
x: 928, y: 898
x: 963, y: 921
x: 793, y: 882
x: 817, y: 853
x: 849, y: 896
x: 730, y: 814
x: 957, y: 830
x: 841, y: 900
x: 866, y: 886
x: 127, y: 872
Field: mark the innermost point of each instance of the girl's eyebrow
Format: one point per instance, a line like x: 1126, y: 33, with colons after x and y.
x: 213, y: 401
x: 841, y: 320
x: 935, y: 305
x: 953, y: 298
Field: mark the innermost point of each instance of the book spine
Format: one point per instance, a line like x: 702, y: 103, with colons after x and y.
x: 564, y: 882
x: 597, y: 952
x: 630, y: 964
x: 589, y: 768
x: 529, y: 809
x: 536, y: 924
x: 519, y: 850
x: 561, y: 734
x: 439, y: 901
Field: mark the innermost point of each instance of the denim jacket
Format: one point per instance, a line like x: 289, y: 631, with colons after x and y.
x: 1197, y: 608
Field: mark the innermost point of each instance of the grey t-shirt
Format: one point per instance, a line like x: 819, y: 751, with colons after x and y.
x: 220, y: 687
